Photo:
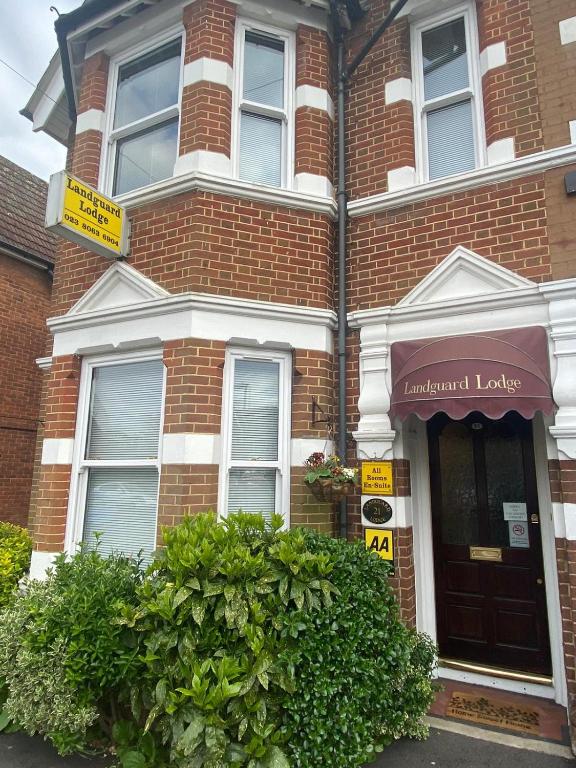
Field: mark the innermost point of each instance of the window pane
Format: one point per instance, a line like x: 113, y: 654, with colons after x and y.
x: 121, y: 504
x: 145, y: 158
x: 147, y: 85
x: 264, y: 70
x: 252, y: 490
x: 260, y: 149
x: 125, y: 410
x: 450, y: 140
x: 445, y: 60
x: 255, y: 410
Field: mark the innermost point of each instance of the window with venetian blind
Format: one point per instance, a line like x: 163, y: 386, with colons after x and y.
x: 119, y: 469
x: 448, y: 97
x: 264, y: 104
x: 256, y: 433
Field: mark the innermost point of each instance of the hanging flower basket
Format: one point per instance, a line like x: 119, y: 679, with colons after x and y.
x: 330, y: 490
x: 328, y: 479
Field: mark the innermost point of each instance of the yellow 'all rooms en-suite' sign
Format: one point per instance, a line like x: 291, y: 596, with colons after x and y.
x: 377, y: 478
x: 86, y: 217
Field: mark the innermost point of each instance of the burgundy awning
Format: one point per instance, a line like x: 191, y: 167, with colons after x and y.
x: 491, y: 372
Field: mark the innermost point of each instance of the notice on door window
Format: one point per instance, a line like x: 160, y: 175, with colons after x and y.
x: 515, y: 510
x: 518, y: 534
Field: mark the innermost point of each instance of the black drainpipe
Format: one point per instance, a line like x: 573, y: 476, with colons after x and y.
x: 344, y: 74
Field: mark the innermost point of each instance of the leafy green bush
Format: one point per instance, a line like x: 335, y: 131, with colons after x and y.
x: 362, y: 677
x: 63, y: 657
x: 15, y: 551
x: 220, y: 607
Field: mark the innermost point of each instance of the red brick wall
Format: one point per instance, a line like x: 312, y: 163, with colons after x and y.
x: 511, y: 106
x: 24, y: 303
x: 88, y: 144
x: 391, y: 252
x: 215, y: 244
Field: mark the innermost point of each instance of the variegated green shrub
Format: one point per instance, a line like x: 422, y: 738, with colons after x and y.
x: 15, y: 550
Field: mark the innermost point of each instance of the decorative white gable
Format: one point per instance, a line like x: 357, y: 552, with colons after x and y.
x: 119, y: 286
x: 463, y: 273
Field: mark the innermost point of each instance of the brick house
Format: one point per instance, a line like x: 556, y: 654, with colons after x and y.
x: 26, y: 262
x: 188, y: 375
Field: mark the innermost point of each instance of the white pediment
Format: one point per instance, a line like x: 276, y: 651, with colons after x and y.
x: 462, y: 274
x: 119, y: 286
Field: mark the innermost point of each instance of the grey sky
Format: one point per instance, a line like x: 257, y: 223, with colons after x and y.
x: 27, y: 41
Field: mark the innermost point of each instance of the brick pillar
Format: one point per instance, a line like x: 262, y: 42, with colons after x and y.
x: 509, y: 84
x: 90, y: 121
x: 206, y: 117
x: 51, y: 495
x: 313, y: 377
x: 192, y: 417
x: 314, y: 112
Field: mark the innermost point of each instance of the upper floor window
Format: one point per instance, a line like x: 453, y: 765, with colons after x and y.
x: 264, y: 104
x: 143, y: 137
x: 448, y: 97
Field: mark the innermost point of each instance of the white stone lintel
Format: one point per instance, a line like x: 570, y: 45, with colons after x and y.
x: 190, y: 448
x: 492, y: 56
x: 57, y: 450
x: 572, y: 129
x: 570, y: 521
x: 312, y: 184
x: 40, y: 562
x: 202, y: 160
x: 501, y: 151
x: 398, y: 90
x: 209, y: 71
x: 568, y: 30
x: 91, y: 120
x: 401, y: 178
x: 302, y: 447
x: 315, y: 98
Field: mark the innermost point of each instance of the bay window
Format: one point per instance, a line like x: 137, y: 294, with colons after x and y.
x: 255, y: 474
x: 448, y: 108
x: 118, y: 467
x: 143, y: 136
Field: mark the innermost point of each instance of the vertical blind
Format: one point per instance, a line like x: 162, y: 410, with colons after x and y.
x: 123, y: 425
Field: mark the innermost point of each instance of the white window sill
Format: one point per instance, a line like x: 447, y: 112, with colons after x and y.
x: 206, y: 182
x: 523, y: 166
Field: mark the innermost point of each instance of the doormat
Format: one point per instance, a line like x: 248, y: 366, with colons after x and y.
x: 479, y: 709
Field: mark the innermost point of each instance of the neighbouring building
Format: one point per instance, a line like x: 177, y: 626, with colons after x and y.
x: 199, y: 371
x: 26, y: 262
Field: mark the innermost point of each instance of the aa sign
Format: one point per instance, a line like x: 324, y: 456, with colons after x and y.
x: 380, y: 541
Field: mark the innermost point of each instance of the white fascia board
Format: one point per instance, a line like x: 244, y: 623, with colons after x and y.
x: 191, y: 448
x: 194, y: 316
x: 209, y: 71
x: 48, y: 101
x: 492, y: 56
x: 57, y: 450
x: 315, y: 98
x: 209, y: 182
x: 302, y: 447
x: 91, y: 120
x: 523, y: 166
x: 567, y: 30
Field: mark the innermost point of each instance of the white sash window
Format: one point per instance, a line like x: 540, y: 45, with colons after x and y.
x: 118, y: 462
x: 255, y: 473
x: 449, y: 122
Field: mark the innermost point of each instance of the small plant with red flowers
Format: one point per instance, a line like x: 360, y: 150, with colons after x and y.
x: 328, y: 478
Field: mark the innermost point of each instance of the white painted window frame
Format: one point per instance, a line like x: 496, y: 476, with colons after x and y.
x: 80, y: 465
x: 473, y: 92
x: 111, y: 135
x: 286, y: 115
x: 282, y: 465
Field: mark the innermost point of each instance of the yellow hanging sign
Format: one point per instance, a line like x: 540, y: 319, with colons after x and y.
x: 377, y: 478
x: 86, y: 217
x: 380, y: 541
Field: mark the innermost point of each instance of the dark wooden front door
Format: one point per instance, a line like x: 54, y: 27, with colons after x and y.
x: 489, y: 612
